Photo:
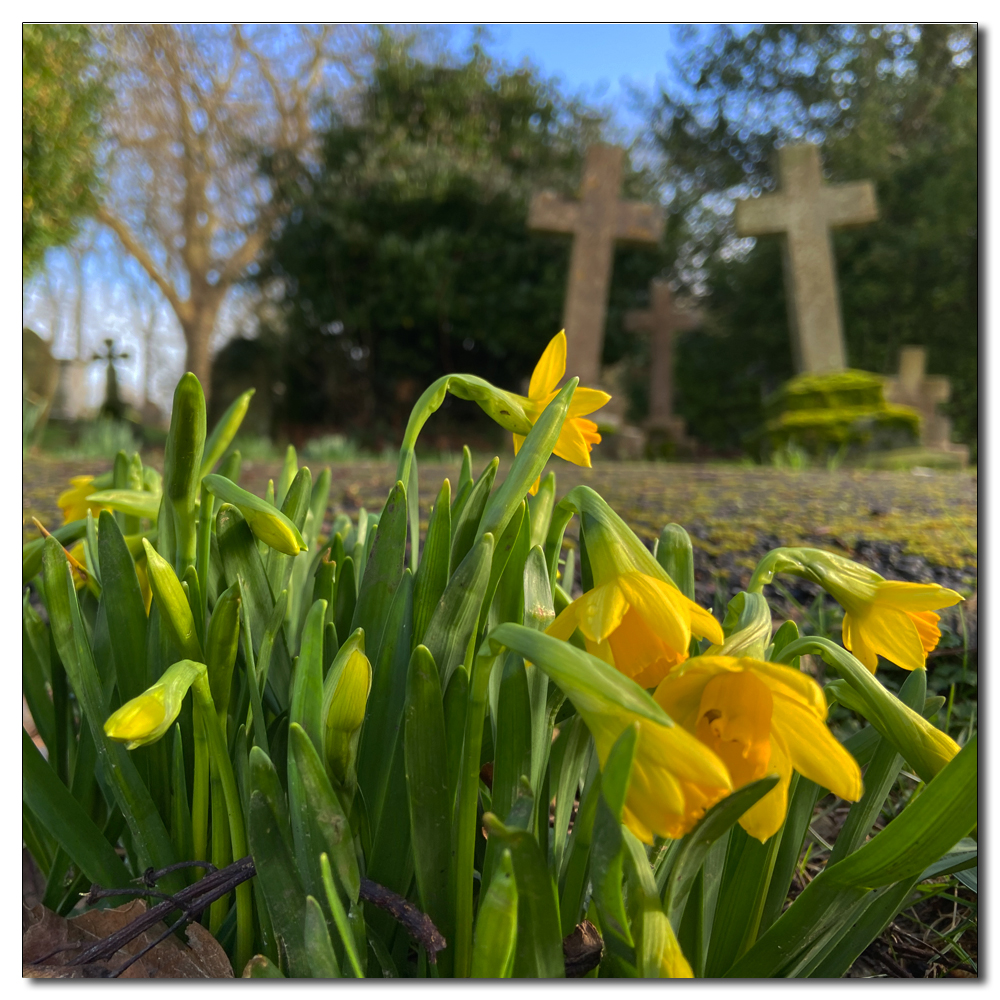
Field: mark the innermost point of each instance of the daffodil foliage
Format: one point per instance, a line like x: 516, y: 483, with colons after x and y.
x: 523, y: 759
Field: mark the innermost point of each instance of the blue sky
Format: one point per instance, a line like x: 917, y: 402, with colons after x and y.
x: 594, y: 60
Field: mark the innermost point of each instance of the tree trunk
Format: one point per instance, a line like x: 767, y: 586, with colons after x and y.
x: 198, y: 337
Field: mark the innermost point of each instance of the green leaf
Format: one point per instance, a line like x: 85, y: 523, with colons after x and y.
x: 289, y: 469
x: 425, y: 754
x: 261, y: 967
x: 466, y: 521
x: 280, y: 884
x: 295, y: 507
x: 454, y: 621
x: 150, y: 837
x: 135, y: 503
x: 434, y: 568
x: 66, y: 821
x: 221, y: 646
x: 125, y: 609
x: 319, y: 950
x: 607, y: 848
x: 540, y: 509
x: 496, y: 925
x: 384, y: 718
x: 538, y: 952
x: 695, y: 845
x: 572, y: 771
x: 747, y: 627
x: 224, y: 431
x: 307, y: 678
x: 383, y: 571
x: 340, y: 918
x: 456, y: 704
x: 319, y: 822
x: 347, y: 596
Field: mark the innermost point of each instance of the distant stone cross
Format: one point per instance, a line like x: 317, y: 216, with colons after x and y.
x: 805, y: 210
x: 113, y: 405
x: 913, y: 387
x: 661, y: 321
x: 597, y: 221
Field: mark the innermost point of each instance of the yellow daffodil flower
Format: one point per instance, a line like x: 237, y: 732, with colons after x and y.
x: 673, y: 779
x: 73, y: 502
x: 150, y: 715
x: 887, y: 618
x: 578, y: 436
x: 642, y: 626
x: 760, y: 718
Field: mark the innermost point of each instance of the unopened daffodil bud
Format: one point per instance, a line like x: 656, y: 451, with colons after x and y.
x: 265, y: 520
x: 150, y: 715
x: 345, y: 697
x: 889, y: 618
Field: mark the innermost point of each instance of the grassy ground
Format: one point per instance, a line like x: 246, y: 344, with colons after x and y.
x: 908, y: 526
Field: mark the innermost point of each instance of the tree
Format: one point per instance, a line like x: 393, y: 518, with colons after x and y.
x: 896, y: 104
x: 407, y: 254
x: 195, y: 108
x: 62, y: 95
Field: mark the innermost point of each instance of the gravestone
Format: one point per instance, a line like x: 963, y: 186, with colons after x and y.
x: 73, y: 391
x: 803, y: 211
x: 39, y: 377
x: 661, y: 321
x: 598, y: 220
x: 913, y: 387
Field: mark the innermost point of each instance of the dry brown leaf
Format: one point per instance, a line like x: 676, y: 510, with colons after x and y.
x: 201, y: 958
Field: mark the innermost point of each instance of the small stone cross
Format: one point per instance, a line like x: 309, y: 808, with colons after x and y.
x: 597, y: 221
x: 912, y: 387
x: 113, y: 405
x: 805, y: 210
x: 661, y: 321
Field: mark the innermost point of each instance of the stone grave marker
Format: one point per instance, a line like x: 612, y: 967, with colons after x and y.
x: 661, y: 321
x: 113, y: 405
x: 804, y: 210
x: 913, y: 387
x: 598, y: 220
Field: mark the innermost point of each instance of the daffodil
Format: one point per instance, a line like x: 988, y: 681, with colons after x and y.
x: 578, y: 435
x: 147, y: 717
x: 73, y: 502
x: 760, y: 718
x: 641, y: 625
x: 345, y: 697
x: 887, y: 618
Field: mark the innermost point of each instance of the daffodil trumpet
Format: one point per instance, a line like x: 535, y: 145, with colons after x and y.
x: 888, y: 618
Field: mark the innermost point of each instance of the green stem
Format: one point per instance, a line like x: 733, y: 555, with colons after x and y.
x: 220, y: 848
x: 199, y: 794
x: 465, y: 817
x: 220, y: 754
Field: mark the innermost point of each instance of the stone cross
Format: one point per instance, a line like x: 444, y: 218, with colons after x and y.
x: 597, y: 221
x: 912, y: 387
x: 661, y: 321
x: 113, y: 405
x: 805, y: 210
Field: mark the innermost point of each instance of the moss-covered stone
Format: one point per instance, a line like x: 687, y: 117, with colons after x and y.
x: 837, y: 411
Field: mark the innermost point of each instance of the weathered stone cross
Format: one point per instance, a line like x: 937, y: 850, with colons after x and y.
x: 597, y: 221
x: 661, y: 321
x: 805, y: 210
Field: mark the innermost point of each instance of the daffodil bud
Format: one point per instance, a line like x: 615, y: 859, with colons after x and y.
x: 265, y: 520
x: 172, y: 602
x: 345, y: 697
x: 147, y: 717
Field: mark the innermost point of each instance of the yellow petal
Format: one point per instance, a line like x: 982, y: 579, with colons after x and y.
x: 585, y: 401
x: 854, y: 641
x: 764, y: 818
x: 573, y: 445
x: 550, y: 368
x: 892, y: 634
x: 601, y: 611
x: 662, y: 606
x: 815, y: 752
x: 703, y: 623
x: 791, y: 683
x: 640, y: 653
x: 518, y: 441
x: 566, y: 622
x: 915, y: 596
